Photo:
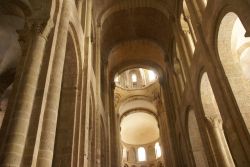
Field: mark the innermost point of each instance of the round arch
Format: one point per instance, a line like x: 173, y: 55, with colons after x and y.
x: 233, y: 53
x: 214, y: 122
x: 195, y: 139
x: 134, y: 54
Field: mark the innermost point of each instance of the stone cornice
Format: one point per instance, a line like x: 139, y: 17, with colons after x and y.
x: 139, y: 110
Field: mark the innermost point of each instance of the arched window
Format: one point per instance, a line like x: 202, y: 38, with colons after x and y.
x: 151, y: 75
x: 157, y: 150
x: 124, y: 153
x: 116, y: 79
x: 141, y: 154
x: 134, y: 78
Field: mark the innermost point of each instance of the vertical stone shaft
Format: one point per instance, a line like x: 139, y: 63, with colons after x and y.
x: 215, y: 126
x: 115, y: 143
x: 13, y: 151
x: 47, y: 140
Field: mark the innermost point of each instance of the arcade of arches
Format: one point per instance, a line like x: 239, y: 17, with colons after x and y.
x: 125, y: 83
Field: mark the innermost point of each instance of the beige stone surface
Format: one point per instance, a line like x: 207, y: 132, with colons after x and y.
x: 61, y: 107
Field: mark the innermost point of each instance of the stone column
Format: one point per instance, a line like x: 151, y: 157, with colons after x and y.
x: 79, y: 6
x: 194, y: 10
x: 48, y: 132
x: 22, y: 109
x: 190, y: 42
x: 164, y: 107
x: 182, y: 50
x: 178, y: 71
x: 220, y: 144
x: 115, y: 142
x: 86, y: 146
x: 98, y: 139
x: 118, y: 138
x: 202, y: 5
x: 191, y: 29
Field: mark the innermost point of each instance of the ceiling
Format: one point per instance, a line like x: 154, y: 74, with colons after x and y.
x: 139, y: 128
x: 124, y: 21
x: 137, y: 110
x: 134, y: 24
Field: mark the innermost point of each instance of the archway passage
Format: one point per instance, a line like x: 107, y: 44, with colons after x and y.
x: 139, y: 127
x: 234, y: 54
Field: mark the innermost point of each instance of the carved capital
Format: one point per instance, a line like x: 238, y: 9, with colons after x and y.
x: 186, y: 31
x: 42, y: 27
x: 215, y: 121
x: 24, y: 35
x: 187, y: 18
x: 32, y: 29
x: 38, y: 27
